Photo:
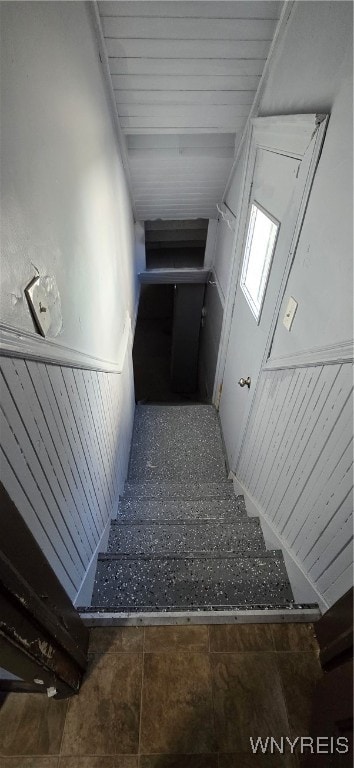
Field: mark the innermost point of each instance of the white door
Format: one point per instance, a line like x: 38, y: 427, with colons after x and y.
x: 279, y: 179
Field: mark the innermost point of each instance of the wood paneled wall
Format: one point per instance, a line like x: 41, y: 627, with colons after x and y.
x: 297, y: 465
x: 184, y: 77
x: 64, y: 441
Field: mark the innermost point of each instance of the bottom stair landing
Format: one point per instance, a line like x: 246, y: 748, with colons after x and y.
x: 182, y: 548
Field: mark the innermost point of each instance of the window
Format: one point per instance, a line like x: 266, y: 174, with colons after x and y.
x: 260, y: 245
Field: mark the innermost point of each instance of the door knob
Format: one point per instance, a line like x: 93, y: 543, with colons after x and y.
x: 245, y: 382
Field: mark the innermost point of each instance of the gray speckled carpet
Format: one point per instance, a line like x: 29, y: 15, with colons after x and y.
x: 182, y: 540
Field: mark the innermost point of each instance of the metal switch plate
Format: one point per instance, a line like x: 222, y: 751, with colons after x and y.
x: 290, y: 313
x: 38, y: 302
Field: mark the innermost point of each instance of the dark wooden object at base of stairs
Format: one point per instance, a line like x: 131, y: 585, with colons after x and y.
x: 332, y: 709
x: 43, y: 640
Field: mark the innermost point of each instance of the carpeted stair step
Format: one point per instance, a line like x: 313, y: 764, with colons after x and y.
x: 201, y: 537
x: 182, y: 543
x: 180, y: 582
x: 161, y: 510
x: 169, y: 490
x: 176, y: 443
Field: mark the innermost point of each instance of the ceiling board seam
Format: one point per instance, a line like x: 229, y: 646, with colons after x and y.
x: 194, y: 39
x: 130, y: 128
x: 194, y: 18
x: 175, y: 74
x: 193, y: 58
x: 183, y: 90
x: 180, y: 104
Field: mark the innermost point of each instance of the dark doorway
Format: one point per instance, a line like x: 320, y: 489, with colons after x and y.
x: 152, y: 344
x: 166, y: 343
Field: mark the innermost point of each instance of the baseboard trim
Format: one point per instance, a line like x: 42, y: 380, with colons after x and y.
x: 254, y: 510
x: 84, y: 594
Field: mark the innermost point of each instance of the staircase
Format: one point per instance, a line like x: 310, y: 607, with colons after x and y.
x: 182, y: 542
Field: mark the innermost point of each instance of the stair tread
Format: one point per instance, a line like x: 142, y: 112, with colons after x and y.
x: 191, y: 581
x: 177, y: 443
x: 182, y: 540
x: 201, y: 536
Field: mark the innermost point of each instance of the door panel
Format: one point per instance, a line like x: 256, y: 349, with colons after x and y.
x: 273, y: 186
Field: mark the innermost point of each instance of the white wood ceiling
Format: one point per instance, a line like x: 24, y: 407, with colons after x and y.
x: 184, y: 75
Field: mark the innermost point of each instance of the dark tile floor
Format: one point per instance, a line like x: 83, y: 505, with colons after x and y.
x: 171, y: 697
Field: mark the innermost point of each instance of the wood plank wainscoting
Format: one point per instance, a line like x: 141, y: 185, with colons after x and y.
x: 64, y: 440
x: 296, y: 465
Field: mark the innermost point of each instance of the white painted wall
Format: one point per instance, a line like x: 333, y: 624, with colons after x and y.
x: 64, y: 202
x: 296, y: 461
x: 312, y: 71
x: 65, y: 433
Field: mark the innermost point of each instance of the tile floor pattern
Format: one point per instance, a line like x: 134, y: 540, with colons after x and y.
x: 171, y: 697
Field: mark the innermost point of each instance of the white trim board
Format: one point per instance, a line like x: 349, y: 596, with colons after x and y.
x: 333, y: 353
x: 84, y: 594
x: 31, y: 346
x: 213, y: 278
x: 136, y: 309
x: 304, y: 590
x: 210, y: 245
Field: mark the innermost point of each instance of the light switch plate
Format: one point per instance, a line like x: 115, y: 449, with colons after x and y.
x: 38, y: 302
x: 290, y: 313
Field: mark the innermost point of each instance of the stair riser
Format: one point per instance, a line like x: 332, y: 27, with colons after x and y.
x: 179, y: 491
x: 169, y: 539
x: 217, y: 509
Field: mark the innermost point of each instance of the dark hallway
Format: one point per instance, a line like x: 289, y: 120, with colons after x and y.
x: 166, y: 343
x: 152, y: 344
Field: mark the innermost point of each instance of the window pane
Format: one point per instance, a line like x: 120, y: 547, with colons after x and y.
x: 260, y: 244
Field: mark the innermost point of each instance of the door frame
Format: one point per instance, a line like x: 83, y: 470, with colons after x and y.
x: 43, y: 640
x: 290, y: 135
